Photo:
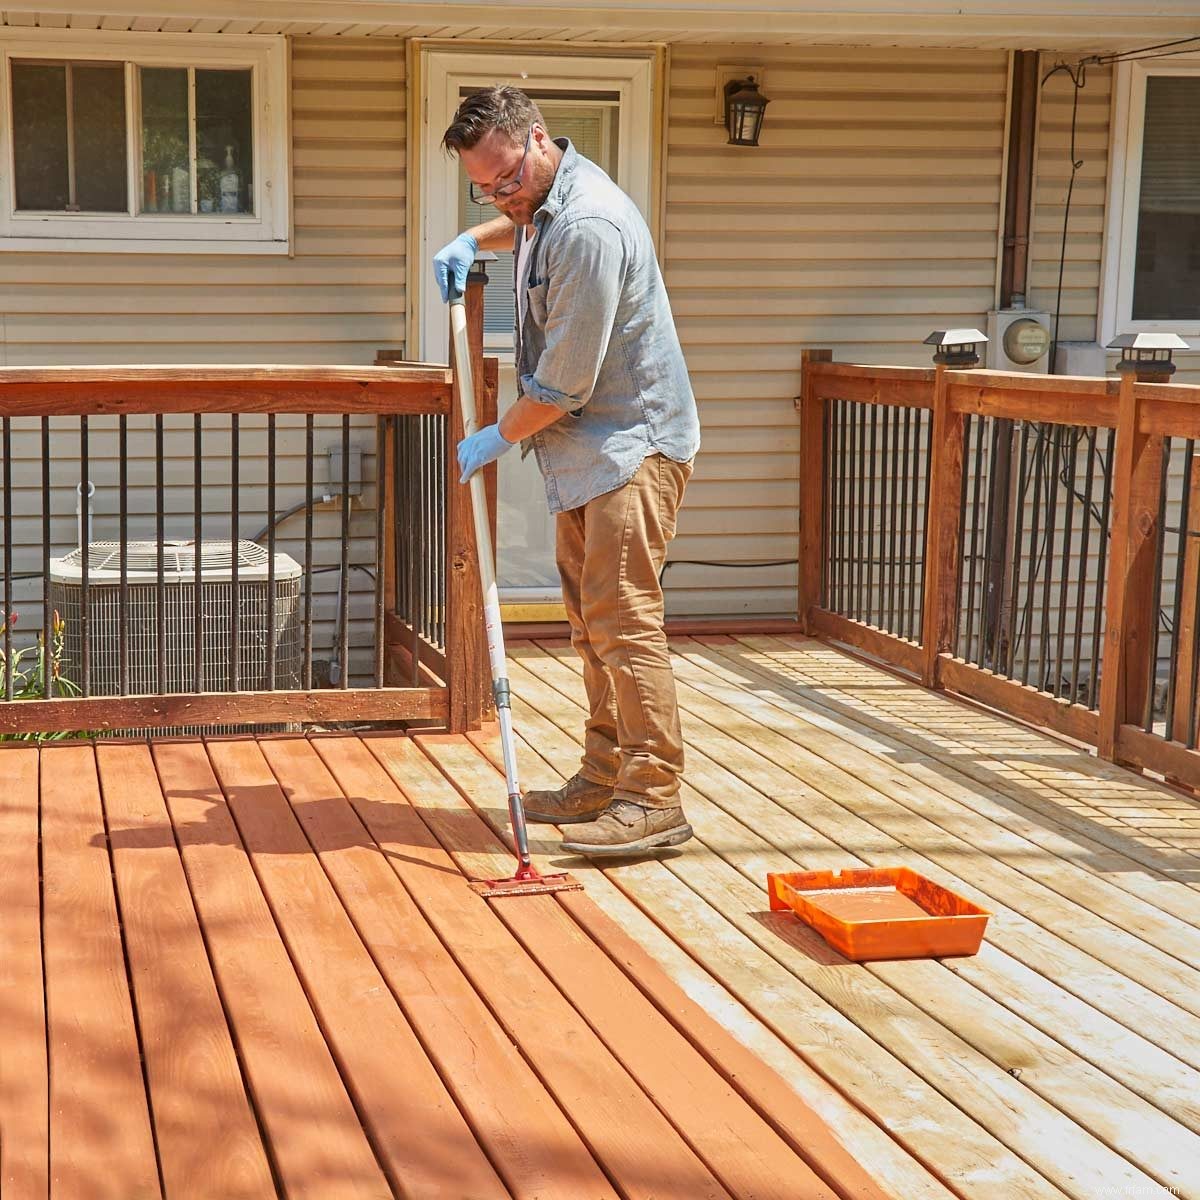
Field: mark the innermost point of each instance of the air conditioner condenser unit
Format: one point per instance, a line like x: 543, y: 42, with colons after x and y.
x: 180, y: 615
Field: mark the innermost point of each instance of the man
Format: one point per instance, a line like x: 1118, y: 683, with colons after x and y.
x: 606, y: 405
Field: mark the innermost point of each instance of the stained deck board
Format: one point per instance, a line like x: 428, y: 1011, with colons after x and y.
x: 394, y: 1087
x: 933, y: 1132
x: 525, y: 1134
x: 101, y: 1142
x: 204, y: 1128
x: 743, y: 1152
x: 287, y: 987
x: 1067, y: 1073
x: 314, y: 878
x: 24, y: 1100
x: 312, y: 1131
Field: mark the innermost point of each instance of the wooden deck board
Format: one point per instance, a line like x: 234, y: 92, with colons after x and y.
x: 1067, y: 1080
x: 294, y: 991
x: 312, y: 1131
x: 1080, y: 957
x: 101, y: 1142
x: 207, y: 1137
x: 24, y: 1099
x: 1078, y: 790
x: 395, y: 1088
x: 746, y: 1154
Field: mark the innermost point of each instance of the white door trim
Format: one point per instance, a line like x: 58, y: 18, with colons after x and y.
x: 440, y: 75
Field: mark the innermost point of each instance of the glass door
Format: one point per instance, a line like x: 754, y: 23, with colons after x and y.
x: 525, y: 570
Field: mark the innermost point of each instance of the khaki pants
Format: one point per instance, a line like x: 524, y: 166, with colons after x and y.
x: 609, y: 552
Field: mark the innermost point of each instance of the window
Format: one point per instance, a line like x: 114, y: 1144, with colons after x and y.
x: 144, y: 141
x: 1153, y: 273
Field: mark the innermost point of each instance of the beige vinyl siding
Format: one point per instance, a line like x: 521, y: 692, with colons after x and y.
x: 339, y: 297
x: 1085, y: 229
x: 866, y: 218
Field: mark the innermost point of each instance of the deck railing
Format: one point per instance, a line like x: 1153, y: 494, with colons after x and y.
x: 193, y: 617
x: 1032, y: 542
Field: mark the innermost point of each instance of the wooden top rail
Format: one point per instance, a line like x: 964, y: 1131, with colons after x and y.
x: 1169, y: 409
x: 123, y: 390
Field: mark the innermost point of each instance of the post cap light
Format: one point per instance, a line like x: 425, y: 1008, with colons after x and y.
x: 1148, y: 353
x: 956, y: 347
x: 744, y: 108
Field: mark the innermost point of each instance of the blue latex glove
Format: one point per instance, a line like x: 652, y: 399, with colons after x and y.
x: 455, y: 258
x: 480, y: 449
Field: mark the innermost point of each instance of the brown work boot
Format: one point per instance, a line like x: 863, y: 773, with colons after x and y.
x: 625, y: 828
x: 578, y: 799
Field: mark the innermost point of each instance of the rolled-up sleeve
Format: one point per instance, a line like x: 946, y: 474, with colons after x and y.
x: 584, y: 282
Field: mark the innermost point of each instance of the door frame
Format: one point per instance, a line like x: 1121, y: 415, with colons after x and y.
x: 436, y: 71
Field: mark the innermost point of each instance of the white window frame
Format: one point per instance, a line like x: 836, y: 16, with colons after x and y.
x: 263, y: 232
x: 1124, y: 192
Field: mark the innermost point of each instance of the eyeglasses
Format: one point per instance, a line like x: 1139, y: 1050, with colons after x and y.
x: 505, y: 189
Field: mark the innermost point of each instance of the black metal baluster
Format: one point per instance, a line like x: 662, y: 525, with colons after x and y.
x: 271, y: 632
x: 381, y: 481
x: 85, y: 683
x: 420, y: 622
x: 47, y: 612
x: 907, y: 515
x: 1014, y: 627
x: 1105, y: 534
x: 123, y: 554
x: 860, y: 468
x: 412, y: 520
x: 920, y: 612
x: 1085, y: 547
x: 308, y: 552
x: 973, y: 464
x: 6, y: 613
x: 197, y: 555
x: 160, y: 607
x: 1035, y: 527
x: 1070, y: 440
x: 894, y: 520
x: 235, y: 608
x: 869, y: 525
x: 986, y: 520
x: 1053, y: 448
x: 344, y: 632
x: 1181, y: 546
x: 1193, y: 674
x: 1160, y: 545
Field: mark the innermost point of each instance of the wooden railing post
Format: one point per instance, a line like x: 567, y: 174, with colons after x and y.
x: 466, y: 645
x: 943, y: 532
x: 1131, y: 620
x: 813, y: 542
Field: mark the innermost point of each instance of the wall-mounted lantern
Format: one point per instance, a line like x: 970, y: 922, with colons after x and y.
x: 744, y: 109
x: 1147, y: 353
x: 956, y: 347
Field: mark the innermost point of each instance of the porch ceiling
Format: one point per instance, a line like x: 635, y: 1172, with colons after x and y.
x: 1054, y: 24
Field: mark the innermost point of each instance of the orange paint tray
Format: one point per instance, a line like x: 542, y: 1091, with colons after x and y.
x: 888, y: 912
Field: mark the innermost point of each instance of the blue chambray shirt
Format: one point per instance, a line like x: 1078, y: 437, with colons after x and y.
x: 596, y: 337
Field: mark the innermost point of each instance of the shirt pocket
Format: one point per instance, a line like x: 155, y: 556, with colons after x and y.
x: 536, y: 299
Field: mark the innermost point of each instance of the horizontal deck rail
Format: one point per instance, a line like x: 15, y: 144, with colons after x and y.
x: 1055, y: 551
x: 162, y: 610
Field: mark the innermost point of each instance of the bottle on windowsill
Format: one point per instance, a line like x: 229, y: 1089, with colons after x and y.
x: 231, y: 184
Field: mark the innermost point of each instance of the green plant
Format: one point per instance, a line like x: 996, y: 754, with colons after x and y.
x: 26, y: 668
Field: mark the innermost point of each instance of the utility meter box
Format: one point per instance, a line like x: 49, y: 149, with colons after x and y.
x: 1018, y: 340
